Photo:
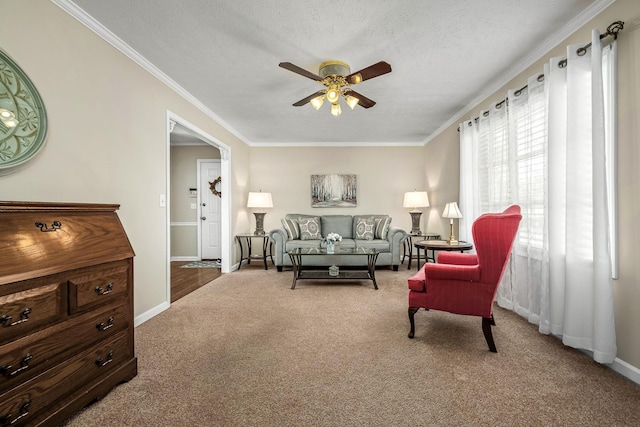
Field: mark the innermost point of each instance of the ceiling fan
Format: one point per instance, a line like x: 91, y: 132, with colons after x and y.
x: 337, y: 77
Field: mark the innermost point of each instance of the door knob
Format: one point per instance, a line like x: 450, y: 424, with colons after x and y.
x: 203, y: 218
x: 204, y: 204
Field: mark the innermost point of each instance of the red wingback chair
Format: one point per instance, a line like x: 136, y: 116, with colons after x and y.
x: 467, y: 283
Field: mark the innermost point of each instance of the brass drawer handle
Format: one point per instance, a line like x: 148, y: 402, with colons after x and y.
x: 24, y: 316
x: 100, y: 362
x: 101, y: 291
x: 24, y: 365
x: 24, y: 411
x: 102, y: 326
x: 55, y: 225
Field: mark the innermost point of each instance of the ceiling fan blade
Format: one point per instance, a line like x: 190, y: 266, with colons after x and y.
x: 370, y: 72
x: 291, y: 67
x: 303, y: 101
x: 363, y: 100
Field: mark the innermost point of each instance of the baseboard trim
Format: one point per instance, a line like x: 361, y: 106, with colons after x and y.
x: 623, y: 368
x: 626, y: 370
x: 185, y: 258
x: 139, y: 320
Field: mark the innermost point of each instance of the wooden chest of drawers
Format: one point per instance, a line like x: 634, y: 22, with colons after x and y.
x: 66, y: 309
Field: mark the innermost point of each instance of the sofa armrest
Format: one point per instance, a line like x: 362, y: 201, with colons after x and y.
x: 278, y: 237
x: 396, y: 237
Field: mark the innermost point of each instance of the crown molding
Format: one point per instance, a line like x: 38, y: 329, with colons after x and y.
x: 535, y: 55
x: 88, y: 21
x: 337, y: 144
x: 572, y: 26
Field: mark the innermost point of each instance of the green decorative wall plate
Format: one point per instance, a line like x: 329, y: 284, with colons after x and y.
x: 23, y: 119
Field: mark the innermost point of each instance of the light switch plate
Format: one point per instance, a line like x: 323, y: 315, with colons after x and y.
x: 194, y: 206
x: 163, y: 200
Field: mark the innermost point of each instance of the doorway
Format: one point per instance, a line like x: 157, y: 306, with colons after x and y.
x: 224, y: 249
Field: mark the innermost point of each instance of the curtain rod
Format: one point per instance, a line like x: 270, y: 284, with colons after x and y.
x: 612, y: 30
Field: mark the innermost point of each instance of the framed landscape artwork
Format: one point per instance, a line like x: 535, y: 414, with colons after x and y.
x: 333, y: 191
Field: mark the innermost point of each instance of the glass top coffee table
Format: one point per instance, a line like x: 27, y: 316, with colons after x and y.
x: 360, y: 272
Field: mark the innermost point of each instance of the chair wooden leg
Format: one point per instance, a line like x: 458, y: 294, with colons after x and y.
x: 486, y: 329
x: 412, y: 312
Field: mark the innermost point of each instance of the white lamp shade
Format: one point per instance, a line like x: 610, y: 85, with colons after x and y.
x: 260, y: 200
x: 416, y: 199
x: 451, y: 211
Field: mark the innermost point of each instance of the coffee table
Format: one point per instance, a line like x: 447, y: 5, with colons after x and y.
x: 364, y: 272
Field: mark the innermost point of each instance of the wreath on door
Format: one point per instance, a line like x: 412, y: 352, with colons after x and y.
x: 212, y: 186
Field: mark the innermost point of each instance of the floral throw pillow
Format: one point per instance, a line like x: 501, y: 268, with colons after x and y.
x: 309, y: 228
x: 365, y: 228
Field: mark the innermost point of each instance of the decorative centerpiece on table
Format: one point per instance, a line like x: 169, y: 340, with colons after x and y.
x: 331, y: 240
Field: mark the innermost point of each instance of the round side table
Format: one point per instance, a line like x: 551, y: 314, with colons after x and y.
x: 407, y: 248
x: 438, y: 245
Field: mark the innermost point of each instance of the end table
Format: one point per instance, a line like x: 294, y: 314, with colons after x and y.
x: 408, y: 244
x: 439, y: 245
x: 244, y: 241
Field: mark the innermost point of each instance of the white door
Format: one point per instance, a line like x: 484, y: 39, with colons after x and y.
x: 210, y: 209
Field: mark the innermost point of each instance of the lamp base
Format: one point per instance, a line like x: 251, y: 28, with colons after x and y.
x: 452, y: 239
x: 259, y: 223
x: 415, y: 223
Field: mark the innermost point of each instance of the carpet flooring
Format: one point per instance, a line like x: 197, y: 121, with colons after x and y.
x: 246, y: 350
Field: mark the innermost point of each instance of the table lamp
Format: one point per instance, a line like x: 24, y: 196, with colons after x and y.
x: 259, y: 201
x: 451, y: 211
x: 415, y: 200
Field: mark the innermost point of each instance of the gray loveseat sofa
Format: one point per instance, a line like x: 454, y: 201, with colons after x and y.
x: 309, y: 231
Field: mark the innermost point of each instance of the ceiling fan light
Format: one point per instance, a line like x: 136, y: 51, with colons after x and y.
x: 352, y: 101
x: 335, y: 109
x: 317, y: 102
x: 333, y: 94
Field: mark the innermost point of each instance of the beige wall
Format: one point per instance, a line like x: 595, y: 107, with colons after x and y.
x: 107, y: 132
x: 184, y: 175
x: 383, y: 175
x: 444, y: 148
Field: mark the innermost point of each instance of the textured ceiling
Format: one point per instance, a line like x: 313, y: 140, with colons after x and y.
x: 445, y: 54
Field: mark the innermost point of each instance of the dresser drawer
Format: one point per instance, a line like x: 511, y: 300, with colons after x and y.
x: 26, y: 357
x: 28, y: 307
x: 25, y: 404
x: 103, y: 284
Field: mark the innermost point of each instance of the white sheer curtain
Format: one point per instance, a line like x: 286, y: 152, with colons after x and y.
x: 484, y: 155
x: 580, y: 284
x: 468, y: 181
x: 545, y: 150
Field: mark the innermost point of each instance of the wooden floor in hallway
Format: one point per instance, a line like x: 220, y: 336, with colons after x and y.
x: 187, y: 280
